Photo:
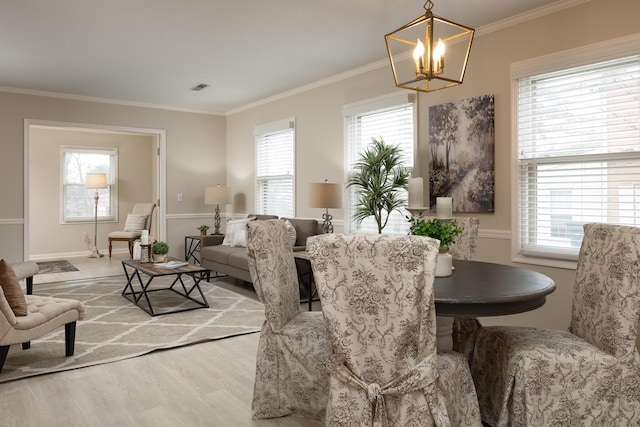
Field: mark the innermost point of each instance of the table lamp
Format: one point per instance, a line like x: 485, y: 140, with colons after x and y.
x: 96, y: 181
x: 325, y: 195
x: 217, y: 196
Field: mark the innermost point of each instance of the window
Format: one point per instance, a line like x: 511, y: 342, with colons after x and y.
x: 390, y: 118
x: 275, y: 169
x: 578, y: 151
x: 78, y: 202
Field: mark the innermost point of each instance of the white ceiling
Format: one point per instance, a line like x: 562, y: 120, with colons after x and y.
x: 153, y: 51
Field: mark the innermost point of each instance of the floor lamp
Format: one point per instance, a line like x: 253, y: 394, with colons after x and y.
x: 217, y: 196
x: 325, y: 195
x: 96, y: 181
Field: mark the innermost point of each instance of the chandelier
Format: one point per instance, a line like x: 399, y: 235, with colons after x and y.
x: 440, y: 52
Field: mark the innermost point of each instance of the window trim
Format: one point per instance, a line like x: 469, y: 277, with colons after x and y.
x: 581, y: 56
x: 384, y: 102
x: 265, y: 130
x: 113, y: 187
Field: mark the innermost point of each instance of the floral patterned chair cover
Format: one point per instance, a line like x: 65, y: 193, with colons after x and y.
x: 587, y: 376
x: 377, y: 297
x: 463, y: 328
x: 291, y: 372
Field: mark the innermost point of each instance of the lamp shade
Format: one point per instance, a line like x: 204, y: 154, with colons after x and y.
x: 96, y: 180
x: 325, y: 195
x: 217, y: 195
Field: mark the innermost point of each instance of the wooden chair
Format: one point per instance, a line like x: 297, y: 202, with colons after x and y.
x: 139, y: 219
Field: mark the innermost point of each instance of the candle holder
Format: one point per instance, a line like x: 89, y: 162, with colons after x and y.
x: 145, y: 251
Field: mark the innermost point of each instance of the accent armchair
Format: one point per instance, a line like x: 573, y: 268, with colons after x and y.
x: 36, y: 316
x: 139, y: 219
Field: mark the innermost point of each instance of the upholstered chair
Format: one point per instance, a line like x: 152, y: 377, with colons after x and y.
x: 377, y: 297
x: 458, y: 332
x: 291, y: 373
x: 26, y: 317
x: 139, y: 219
x: 464, y: 328
x: 589, y: 375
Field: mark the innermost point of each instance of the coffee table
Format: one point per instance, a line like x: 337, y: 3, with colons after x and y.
x: 172, y: 294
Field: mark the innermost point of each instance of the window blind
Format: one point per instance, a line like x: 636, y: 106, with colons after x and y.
x: 275, y: 170
x: 392, y: 122
x: 578, y: 153
x: 78, y: 204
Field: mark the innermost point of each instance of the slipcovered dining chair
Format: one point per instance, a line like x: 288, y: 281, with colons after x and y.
x: 464, y: 328
x: 291, y: 373
x: 589, y: 375
x: 139, y: 219
x: 458, y: 332
x: 377, y: 297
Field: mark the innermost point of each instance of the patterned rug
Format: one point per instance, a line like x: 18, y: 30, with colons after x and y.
x: 115, y: 329
x: 55, y: 266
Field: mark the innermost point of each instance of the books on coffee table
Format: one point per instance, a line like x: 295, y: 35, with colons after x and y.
x: 171, y: 264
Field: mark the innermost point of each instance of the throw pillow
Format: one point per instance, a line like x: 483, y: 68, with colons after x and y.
x: 233, y: 226
x: 304, y: 228
x: 291, y: 231
x: 12, y: 290
x: 240, y: 238
x: 135, y: 222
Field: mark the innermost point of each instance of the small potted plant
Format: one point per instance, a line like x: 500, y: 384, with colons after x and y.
x: 444, y: 230
x: 159, y: 250
x: 203, y: 229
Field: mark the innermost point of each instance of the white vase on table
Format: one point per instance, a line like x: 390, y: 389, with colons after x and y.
x: 444, y: 265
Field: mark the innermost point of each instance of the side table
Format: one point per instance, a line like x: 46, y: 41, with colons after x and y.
x: 192, y: 245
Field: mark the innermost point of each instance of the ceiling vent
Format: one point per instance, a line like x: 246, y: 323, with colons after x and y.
x: 199, y: 87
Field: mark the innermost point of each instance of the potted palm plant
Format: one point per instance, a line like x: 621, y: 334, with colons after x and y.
x: 379, y: 179
x: 444, y: 230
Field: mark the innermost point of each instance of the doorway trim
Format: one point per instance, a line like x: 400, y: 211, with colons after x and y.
x: 161, y: 182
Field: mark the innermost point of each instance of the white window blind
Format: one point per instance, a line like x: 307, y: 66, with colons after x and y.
x: 78, y: 202
x: 392, y: 120
x: 578, y: 137
x: 275, y: 169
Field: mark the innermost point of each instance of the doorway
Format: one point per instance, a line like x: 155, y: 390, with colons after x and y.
x: 46, y: 224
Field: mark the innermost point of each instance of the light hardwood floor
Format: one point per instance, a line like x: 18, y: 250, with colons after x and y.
x: 207, y: 384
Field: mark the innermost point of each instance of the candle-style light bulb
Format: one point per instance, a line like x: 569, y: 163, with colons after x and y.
x: 418, y: 57
x: 438, y: 57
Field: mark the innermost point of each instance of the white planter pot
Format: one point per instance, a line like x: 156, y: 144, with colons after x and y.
x: 444, y: 265
x: 159, y: 258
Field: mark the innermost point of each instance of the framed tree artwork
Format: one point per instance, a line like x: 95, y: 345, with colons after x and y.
x: 461, y: 148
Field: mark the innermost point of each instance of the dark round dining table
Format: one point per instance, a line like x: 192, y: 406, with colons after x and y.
x: 486, y: 289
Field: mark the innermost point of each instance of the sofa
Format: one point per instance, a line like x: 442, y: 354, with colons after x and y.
x: 227, y: 255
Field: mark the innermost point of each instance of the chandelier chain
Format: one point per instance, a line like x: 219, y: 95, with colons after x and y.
x: 428, y: 5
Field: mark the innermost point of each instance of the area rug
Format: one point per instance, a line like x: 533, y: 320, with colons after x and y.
x: 61, y: 266
x: 115, y: 329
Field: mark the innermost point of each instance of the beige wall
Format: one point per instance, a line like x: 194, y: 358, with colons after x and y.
x: 320, y: 139
x: 205, y: 150
x: 47, y: 235
x: 195, y: 158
